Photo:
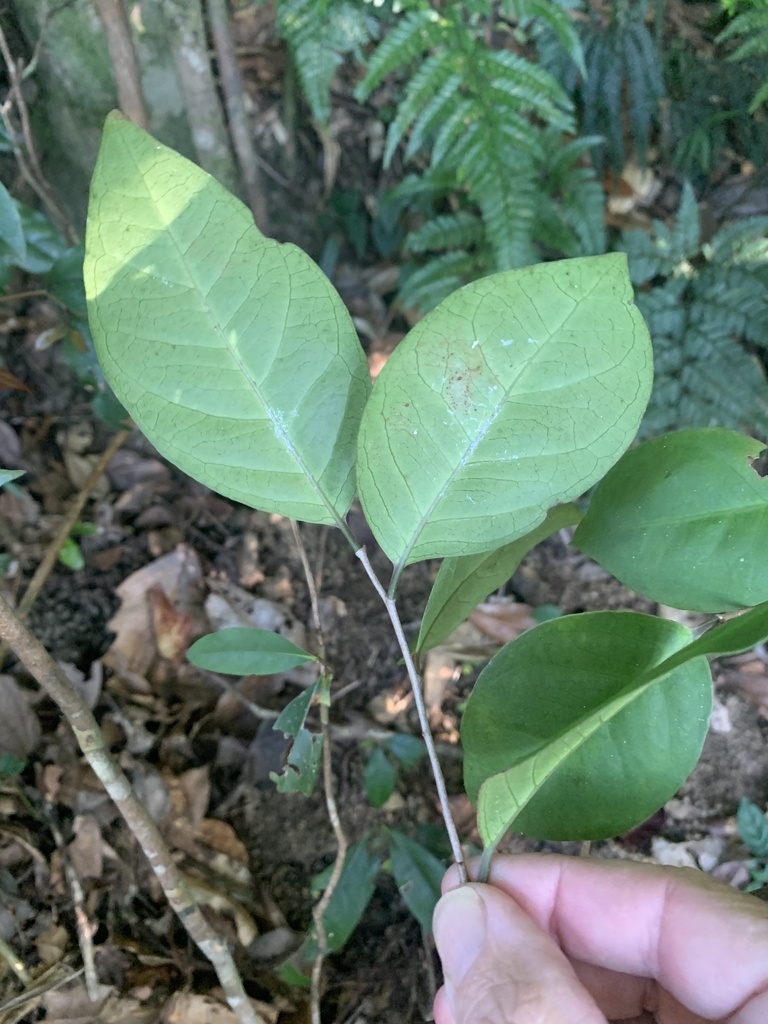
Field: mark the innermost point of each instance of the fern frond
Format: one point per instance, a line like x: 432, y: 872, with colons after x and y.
x: 556, y: 17
x: 533, y: 88
x: 462, y: 230
x: 744, y: 241
x: 425, y: 286
x: 411, y: 36
x: 460, y: 120
x: 685, y: 238
x: 646, y: 86
x: 319, y: 36
x: 431, y: 78
x: 433, y: 113
x: 752, y: 22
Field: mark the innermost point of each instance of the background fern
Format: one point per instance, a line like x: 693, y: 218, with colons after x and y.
x: 501, y: 184
x: 749, y: 24
x: 703, y: 303
x: 319, y: 34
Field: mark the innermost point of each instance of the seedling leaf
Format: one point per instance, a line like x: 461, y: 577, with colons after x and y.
x: 241, y: 651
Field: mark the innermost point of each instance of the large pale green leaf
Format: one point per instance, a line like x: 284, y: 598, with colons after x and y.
x: 517, y: 392
x: 563, y: 736
x: 233, y: 353
x: 683, y: 519
x: 463, y: 582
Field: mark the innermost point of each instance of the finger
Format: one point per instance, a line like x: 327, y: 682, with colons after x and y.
x: 706, y: 943
x: 501, y: 968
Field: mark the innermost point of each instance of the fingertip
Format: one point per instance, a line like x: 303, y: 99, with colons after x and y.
x: 442, y: 1008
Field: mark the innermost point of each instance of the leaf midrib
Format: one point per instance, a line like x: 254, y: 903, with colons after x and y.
x: 219, y: 330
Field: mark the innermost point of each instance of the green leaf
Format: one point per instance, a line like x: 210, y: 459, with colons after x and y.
x: 71, y: 555
x: 12, y: 241
x: 65, y: 280
x: 753, y: 828
x: 418, y: 874
x: 408, y: 750
x: 292, y: 717
x: 6, y: 475
x: 739, y: 634
x: 682, y: 519
x: 463, y: 582
x: 241, y: 651
x: 518, y: 392
x: 564, y: 736
x: 349, y: 900
x: 379, y: 778
x: 44, y: 243
x: 10, y: 765
x: 233, y: 353
x: 302, y: 765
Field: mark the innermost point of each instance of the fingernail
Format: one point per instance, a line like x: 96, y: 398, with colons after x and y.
x: 461, y: 931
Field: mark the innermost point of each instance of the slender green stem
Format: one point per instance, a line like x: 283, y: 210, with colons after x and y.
x: 418, y: 696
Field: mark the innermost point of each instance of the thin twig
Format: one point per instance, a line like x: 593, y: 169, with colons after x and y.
x: 125, y: 65
x: 418, y: 696
x: 330, y: 800
x: 240, y: 130
x: 15, y: 963
x: 52, y: 679
x: 85, y: 929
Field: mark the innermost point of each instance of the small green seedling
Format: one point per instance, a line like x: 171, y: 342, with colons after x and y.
x: 515, y: 396
x: 753, y: 829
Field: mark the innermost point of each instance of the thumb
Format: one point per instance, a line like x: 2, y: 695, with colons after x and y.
x: 501, y: 968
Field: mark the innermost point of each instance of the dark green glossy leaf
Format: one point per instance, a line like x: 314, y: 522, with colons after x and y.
x: 379, y: 778
x: 65, y: 280
x: 418, y: 874
x: 682, y: 519
x: 349, y: 900
x: 241, y: 651
x: 462, y: 583
x: 564, y: 736
x: 408, y: 750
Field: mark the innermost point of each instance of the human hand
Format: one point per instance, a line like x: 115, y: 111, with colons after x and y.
x: 556, y: 940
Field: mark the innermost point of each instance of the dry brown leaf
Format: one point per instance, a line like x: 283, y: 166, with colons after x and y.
x: 19, y: 727
x: 179, y: 576
x: 52, y: 944
x: 187, y: 1008
x: 440, y: 670
x: 86, y: 851
x: 502, y: 621
x: 171, y: 627
x: 222, y: 838
x: 7, y: 380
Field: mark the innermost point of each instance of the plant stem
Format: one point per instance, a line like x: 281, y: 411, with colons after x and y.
x: 51, y: 678
x: 418, y: 696
x: 342, y: 845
